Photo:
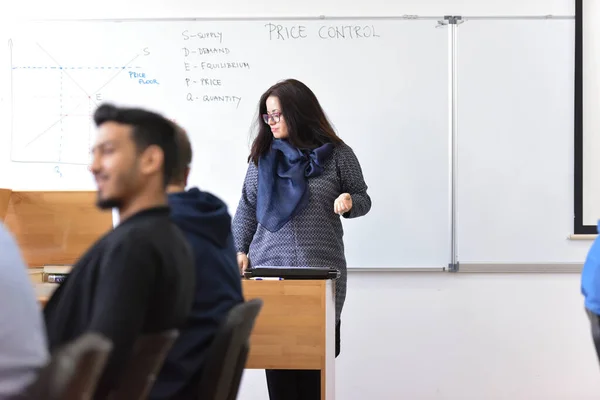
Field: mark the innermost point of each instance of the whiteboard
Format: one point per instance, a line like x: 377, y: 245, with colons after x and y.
x: 383, y: 83
x: 515, y: 142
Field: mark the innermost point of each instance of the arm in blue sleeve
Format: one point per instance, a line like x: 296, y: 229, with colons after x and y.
x: 244, y: 221
x: 352, y: 181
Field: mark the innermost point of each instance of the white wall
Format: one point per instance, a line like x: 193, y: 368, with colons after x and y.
x: 429, y: 335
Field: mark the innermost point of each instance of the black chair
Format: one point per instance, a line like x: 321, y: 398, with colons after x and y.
x: 227, y: 355
x: 239, y: 370
x: 148, y: 356
x: 73, y: 370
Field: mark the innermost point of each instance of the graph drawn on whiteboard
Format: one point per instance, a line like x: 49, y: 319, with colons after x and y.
x: 53, y: 101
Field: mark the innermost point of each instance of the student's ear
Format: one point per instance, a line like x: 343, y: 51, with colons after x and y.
x: 151, y: 160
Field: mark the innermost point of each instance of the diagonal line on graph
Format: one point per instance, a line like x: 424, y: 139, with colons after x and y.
x: 53, y: 125
x: 63, y: 116
x: 66, y: 73
x: 114, y: 76
x: 83, y: 90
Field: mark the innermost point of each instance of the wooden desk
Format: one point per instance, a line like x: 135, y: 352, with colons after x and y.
x: 43, y: 291
x: 294, y: 330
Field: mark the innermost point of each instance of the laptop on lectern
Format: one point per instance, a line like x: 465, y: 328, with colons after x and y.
x: 291, y: 272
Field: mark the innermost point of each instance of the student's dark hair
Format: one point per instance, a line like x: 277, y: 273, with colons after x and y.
x: 149, y: 129
x: 307, y: 124
x: 184, y: 159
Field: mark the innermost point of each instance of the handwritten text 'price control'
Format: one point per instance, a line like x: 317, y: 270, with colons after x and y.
x: 339, y: 32
x: 291, y: 32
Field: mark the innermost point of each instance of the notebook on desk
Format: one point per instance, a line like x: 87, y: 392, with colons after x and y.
x: 291, y: 272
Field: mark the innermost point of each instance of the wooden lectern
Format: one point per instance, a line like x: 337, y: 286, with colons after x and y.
x: 295, y: 328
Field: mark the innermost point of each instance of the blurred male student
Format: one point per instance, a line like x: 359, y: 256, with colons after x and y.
x: 139, y: 277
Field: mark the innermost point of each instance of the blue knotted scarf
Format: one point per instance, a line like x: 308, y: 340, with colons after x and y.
x: 282, y: 181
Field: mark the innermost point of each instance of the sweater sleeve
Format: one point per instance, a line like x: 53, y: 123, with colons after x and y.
x: 352, y: 182
x: 244, y: 221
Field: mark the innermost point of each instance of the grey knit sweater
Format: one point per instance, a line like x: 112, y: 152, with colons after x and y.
x: 314, y: 236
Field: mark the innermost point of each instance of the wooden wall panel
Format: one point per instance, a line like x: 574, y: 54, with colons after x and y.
x: 55, y: 227
x: 4, y: 200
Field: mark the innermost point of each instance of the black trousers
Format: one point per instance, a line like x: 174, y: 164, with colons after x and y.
x: 595, y: 326
x: 286, y: 384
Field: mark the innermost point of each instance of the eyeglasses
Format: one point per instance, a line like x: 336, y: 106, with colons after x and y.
x: 275, y: 116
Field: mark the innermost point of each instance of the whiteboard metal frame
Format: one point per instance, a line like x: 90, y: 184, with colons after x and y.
x: 453, y: 266
x: 253, y: 18
x: 518, y: 17
x: 301, y: 18
x: 397, y: 269
x: 511, y: 268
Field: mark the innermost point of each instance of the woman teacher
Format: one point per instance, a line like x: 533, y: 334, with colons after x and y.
x: 301, y: 179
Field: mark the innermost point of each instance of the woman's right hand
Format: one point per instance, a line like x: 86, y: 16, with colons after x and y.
x: 242, y: 260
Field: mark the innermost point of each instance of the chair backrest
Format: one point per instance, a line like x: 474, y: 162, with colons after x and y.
x: 228, y: 352
x: 148, y: 356
x: 239, y: 369
x: 73, y: 370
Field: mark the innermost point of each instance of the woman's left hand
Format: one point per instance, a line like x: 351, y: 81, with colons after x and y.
x: 342, y: 204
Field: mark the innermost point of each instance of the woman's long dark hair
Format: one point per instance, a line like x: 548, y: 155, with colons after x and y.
x: 307, y: 124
